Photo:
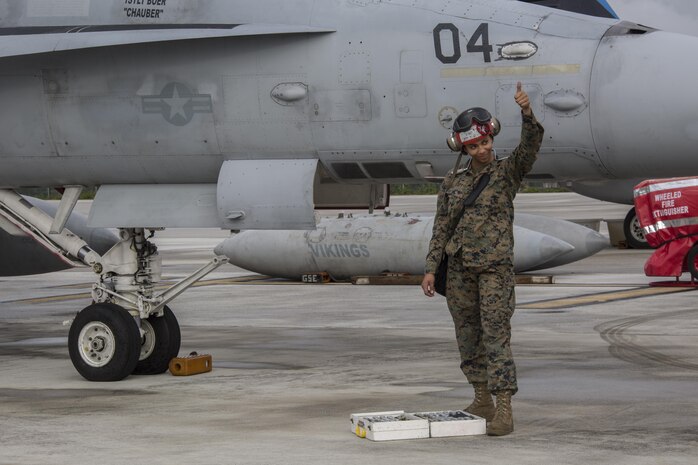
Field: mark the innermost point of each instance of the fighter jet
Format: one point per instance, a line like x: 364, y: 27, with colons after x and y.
x: 249, y: 115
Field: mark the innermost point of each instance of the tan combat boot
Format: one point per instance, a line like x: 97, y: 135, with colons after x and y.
x: 503, y: 422
x: 482, y: 406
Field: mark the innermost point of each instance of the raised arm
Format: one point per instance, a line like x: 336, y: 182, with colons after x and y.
x: 524, y: 154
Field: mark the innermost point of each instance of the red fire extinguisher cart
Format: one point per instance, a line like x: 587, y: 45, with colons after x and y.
x: 667, y: 210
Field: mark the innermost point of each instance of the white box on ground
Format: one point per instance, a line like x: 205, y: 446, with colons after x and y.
x: 388, y: 427
x: 355, y: 417
x: 453, y: 423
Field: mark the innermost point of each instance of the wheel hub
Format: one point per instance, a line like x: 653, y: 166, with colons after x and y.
x: 97, y: 344
x: 147, y: 340
x: 637, y: 231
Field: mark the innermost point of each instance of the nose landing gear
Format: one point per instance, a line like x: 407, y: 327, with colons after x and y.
x: 129, y: 328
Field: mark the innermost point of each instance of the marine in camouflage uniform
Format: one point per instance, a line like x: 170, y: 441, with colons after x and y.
x: 478, y: 239
x: 480, y: 283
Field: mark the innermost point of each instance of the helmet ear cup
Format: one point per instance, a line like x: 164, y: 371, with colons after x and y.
x: 496, y: 127
x: 454, y: 143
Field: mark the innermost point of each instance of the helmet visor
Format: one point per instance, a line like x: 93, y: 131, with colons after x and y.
x: 465, y: 120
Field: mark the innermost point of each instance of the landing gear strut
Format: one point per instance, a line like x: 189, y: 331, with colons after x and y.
x: 128, y: 328
x: 128, y: 274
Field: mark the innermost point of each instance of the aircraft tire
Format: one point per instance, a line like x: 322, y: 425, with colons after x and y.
x: 104, y: 342
x: 691, y: 261
x: 175, y: 333
x: 159, y: 345
x: 634, y: 236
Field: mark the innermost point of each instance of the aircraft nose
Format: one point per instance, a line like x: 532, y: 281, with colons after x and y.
x: 643, y: 103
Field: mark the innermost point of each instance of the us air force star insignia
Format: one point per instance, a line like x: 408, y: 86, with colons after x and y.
x: 177, y: 103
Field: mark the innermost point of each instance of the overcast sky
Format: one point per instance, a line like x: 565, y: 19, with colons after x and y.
x: 669, y: 15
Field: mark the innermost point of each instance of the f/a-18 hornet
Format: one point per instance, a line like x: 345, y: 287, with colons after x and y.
x: 249, y: 115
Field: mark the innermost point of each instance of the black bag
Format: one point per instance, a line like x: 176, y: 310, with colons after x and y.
x: 442, y: 271
x: 440, y: 276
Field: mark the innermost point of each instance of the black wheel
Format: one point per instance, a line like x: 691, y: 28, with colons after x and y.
x: 691, y: 261
x: 175, y: 334
x: 104, y: 342
x: 634, y: 235
x: 159, y: 343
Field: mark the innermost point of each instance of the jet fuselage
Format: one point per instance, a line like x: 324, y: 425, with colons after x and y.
x: 368, y: 88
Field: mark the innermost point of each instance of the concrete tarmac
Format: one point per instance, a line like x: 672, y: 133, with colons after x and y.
x: 607, y: 366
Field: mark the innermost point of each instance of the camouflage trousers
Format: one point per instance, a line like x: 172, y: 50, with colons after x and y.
x: 481, y: 301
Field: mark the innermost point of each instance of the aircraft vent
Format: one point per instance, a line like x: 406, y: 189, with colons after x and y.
x: 387, y: 170
x: 348, y: 170
x: 625, y: 28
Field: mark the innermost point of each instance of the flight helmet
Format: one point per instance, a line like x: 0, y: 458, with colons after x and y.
x: 471, y: 126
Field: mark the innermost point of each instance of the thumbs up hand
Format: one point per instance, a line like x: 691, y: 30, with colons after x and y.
x: 521, y: 98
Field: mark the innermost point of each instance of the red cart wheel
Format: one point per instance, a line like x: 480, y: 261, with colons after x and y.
x: 691, y: 258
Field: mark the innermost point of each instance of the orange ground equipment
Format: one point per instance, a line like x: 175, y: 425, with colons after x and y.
x: 191, y: 365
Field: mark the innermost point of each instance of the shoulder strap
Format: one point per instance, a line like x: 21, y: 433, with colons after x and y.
x: 477, y: 190
x: 470, y: 199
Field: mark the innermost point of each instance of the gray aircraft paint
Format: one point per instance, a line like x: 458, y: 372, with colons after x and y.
x: 370, y: 245
x: 170, y: 93
x: 585, y: 241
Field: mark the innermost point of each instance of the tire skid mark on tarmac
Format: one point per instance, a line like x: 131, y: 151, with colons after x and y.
x: 624, y: 347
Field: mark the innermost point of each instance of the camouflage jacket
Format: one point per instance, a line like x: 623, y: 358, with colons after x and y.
x: 485, y: 232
